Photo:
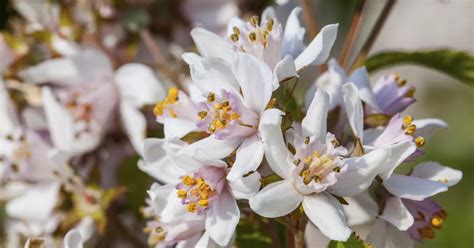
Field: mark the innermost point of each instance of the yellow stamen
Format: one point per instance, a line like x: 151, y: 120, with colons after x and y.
x: 211, y: 97
x: 252, y: 36
x: 306, y: 140
x: 407, y: 120
x: 308, y: 160
x: 234, y: 37
x: 316, y: 154
x: 234, y: 116
x: 171, y: 98
x: 297, y: 161
x: 236, y: 30
x: 420, y: 141
x: 189, y: 181
x: 202, y: 115
x: 437, y: 222
x: 182, y: 194
x: 203, y: 202
x: 254, y: 20
x: 192, y: 207
x: 410, y: 129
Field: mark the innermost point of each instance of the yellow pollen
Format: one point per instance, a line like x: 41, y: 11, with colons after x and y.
x: 325, y: 158
x: 437, y: 222
x: 159, y: 229
x: 218, y: 106
x: 203, y: 202
x: 202, y: 115
x: 316, y: 154
x: 254, y: 20
x: 211, y: 97
x: 236, y: 30
x: 308, y: 160
x: 171, y: 98
x: 182, y: 194
x: 407, y: 120
x: 187, y: 180
x: 147, y: 230
x: 420, y: 141
x: 410, y: 129
x: 252, y: 36
x: 234, y: 37
x: 304, y: 173
x: 234, y: 116
x: 192, y: 207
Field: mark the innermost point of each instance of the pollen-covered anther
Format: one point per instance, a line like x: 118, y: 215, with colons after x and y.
x: 437, y: 222
x: 407, y: 120
x: 192, y: 208
x: 410, y: 129
x: 236, y: 30
x: 254, y: 20
x: 211, y: 97
x: 426, y: 232
x: 202, y: 115
x: 269, y: 24
x: 182, y: 194
x: 420, y: 141
x: 170, y: 99
x: 189, y: 181
x: 253, y: 37
x: 306, y: 140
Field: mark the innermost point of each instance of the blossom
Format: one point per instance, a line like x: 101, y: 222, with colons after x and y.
x: 231, y: 103
x: 282, y: 50
x: 318, y: 170
x: 393, y: 94
x: 202, y: 191
x: 79, y: 108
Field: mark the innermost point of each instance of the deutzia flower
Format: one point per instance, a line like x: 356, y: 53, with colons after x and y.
x: 393, y: 94
x: 266, y: 40
x: 201, y: 190
x: 79, y: 108
x: 230, y: 111
x: 317, y: 170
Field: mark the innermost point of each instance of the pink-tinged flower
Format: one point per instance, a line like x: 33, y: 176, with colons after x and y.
x: 335, y: 78
x: 80, y: 105
x: 393, y: 94
x: 230, y: 105
x: 201, y: 191
x: 319, y: 169
x: 428, y: 217
x: 282, y: 50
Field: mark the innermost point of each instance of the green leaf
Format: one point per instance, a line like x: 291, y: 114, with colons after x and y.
x: 457, y: 64
x: 250, y: 234
x: 136, y: 183
x: 353, y: 242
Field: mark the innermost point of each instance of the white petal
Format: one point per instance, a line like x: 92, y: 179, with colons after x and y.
x: 255, y: 79
x: 248, y: 157
x: 318, y: 50
x: 210, y: 148
x: 284, y: 70
x: 88, y: 66
x: 396, y: 213
x: 360, y: 78
x: 211, y: 45
x: 138, y: 85
x: 222, y: 218
x: 60, y: 121
x: 360, y: 173
x: 276, y: 199
x: 214, y: 75
x: 354, y: 110
x: 159, y: 196
x: 427, y: 127
x: 412, y: 187
x: 178, y: 127
x: 73, y: 239
x: 157, y: 164
x: 398, y: 153
x: 315, y: 121
x: 276, y: 152
x: 293, y: 36
x: 362, y: 209
x: 314, y: 238
x: 174, y: 210
x: 191, y: 58
x: 268, y: 12
x: 378, y: 235
x: 134, y: 123
x: 326, y: 213
x: 8, y: 116
x: 245, y: 187
x: 436, y: 172
x: 397, y: 238
x: 36, y: 204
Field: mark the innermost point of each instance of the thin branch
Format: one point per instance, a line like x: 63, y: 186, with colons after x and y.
x: 364, y: 52
x: 159, y: 58
x: 309, y: 18
x: 353, y: 32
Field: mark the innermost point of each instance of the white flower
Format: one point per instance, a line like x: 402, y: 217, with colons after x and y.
x: 318, y: 170
x: 335, y: 78
x: 79, y: 109
x: 234, y: 99
x: 201, y: 190
x: 282, y: 50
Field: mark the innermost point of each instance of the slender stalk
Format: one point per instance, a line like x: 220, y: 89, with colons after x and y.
x: 353, y: 32
x: 309, y: 18
x: 299, y: 239
x: 364, y: 52
x: 159, y: 58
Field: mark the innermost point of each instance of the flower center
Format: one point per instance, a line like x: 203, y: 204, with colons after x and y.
x: 165, y: 106
x: 257, y: 33
x: 218, y: 113
x: 196, y: 193
x: 410, y: 129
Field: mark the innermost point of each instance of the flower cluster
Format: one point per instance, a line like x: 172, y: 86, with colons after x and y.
x: 231, y: 141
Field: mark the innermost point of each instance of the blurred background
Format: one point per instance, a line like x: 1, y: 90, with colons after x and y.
x: 409, y: 26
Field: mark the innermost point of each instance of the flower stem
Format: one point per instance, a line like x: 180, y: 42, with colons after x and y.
x: 299, y: 239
